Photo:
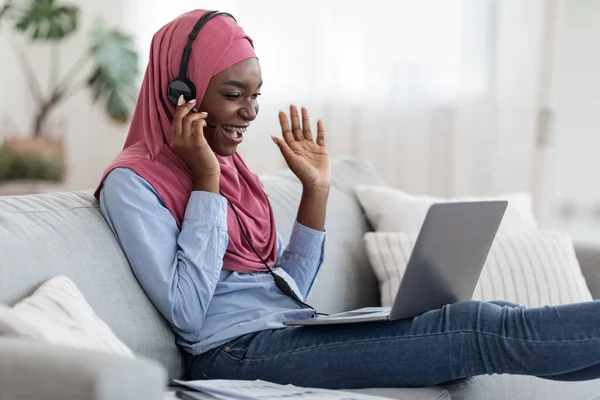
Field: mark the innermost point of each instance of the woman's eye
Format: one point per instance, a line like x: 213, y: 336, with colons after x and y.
x: 235, y: 96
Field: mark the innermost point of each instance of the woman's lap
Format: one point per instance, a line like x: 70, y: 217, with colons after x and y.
x: 464, y: 339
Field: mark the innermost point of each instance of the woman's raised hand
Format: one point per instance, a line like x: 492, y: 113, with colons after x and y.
x: 306, y: 157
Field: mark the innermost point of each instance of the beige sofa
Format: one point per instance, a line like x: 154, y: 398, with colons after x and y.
x: 45, y: 235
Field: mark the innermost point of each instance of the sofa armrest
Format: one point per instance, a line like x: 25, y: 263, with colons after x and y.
x: 33, y: 370
x: 589, y: 260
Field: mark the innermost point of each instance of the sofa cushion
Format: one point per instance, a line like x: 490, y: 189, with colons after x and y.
x: 433, y: 393
x: 34, y: 370
x: 516, y: 387
x: 589, y: 260
x: 392, y: 210
x: 535, y: 269
x: 45, y: 235
x: 345, y: 280
x: 58, y: 313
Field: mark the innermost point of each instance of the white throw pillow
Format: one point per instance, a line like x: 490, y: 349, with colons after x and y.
x: 533, y: 269
x: 58, y: 313
x: 392, y: 210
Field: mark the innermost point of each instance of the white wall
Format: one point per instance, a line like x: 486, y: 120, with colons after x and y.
x: 380, y: 82
x: 477, y: 145
x: 574, y: 170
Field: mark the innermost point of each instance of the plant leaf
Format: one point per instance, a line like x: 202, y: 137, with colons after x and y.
x: 115, y: 71
x: 46, y: 20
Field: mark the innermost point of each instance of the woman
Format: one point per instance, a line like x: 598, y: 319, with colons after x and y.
x: 198, y: 231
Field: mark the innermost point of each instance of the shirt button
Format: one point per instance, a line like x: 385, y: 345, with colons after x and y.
x: 227, y: 348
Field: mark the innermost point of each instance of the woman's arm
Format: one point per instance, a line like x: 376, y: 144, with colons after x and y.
x: 178, y: 269
x: 308, y: 159
x: 303, y: 256
x: 313, y: 207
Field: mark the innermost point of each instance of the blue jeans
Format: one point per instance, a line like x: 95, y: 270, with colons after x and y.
x: 457, y: 341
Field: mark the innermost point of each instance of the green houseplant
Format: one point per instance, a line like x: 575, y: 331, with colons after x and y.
x: 108, y: 68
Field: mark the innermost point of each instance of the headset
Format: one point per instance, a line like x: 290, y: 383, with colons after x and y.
x: 184, y: 86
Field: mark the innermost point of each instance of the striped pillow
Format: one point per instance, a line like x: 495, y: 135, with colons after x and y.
x: 532, y: 269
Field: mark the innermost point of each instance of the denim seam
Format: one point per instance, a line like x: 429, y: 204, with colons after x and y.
x: 211, y: 358
x: 228, y: 354
x: 408, y: 337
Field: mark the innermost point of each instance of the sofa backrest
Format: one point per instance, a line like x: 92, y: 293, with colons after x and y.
x: 45, y: 235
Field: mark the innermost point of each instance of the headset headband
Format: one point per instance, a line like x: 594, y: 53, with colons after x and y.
x: 182, y: 85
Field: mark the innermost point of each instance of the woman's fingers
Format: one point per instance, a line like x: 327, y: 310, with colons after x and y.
x: 286, y: 152
x: 180, y: 112
x: 198, y: 124
x: 300, y: 131
x: 306, y: 125
x: 188, y: 123
x: 286, y: 130
x: 320, y: 133
x: 296, y: 127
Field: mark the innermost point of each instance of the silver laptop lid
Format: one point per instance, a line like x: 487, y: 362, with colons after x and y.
x: 448, y: 256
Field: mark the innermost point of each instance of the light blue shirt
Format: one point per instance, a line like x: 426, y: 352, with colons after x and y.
x: 181, y: 269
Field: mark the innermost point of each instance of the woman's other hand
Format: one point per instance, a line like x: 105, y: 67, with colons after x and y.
x: 307, y: 159
x: 190, y: 145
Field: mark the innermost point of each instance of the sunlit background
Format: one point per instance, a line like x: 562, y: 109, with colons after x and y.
x: 444, y: 97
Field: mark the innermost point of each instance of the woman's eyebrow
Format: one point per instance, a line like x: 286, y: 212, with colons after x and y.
x: 238, y: 84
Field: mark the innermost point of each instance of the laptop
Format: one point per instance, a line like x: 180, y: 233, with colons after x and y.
x: 444, y: 266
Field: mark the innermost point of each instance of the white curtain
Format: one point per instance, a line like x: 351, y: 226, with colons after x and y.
x: 441, y: 95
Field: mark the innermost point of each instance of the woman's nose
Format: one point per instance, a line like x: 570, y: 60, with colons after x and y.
x: 249, y: 112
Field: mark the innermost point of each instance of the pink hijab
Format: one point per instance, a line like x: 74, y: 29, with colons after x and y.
x: 220, y: 44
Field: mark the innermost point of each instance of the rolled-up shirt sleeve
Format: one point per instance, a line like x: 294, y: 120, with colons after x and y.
x: 303, y: 256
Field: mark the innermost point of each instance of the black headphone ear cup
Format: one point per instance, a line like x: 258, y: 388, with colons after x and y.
x: 180, y: 87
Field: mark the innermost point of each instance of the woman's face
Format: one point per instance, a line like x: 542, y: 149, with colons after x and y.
x: 231, y: 103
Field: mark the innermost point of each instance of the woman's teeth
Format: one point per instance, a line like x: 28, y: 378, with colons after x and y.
x: 234, y: 130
